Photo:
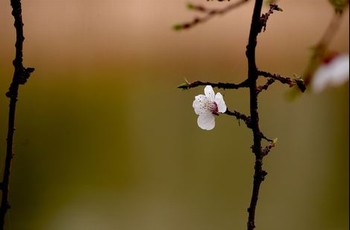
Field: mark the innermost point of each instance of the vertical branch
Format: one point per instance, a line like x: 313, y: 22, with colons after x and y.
x: 258, y: 24
x: 20, y: 76
x: 259, y: 173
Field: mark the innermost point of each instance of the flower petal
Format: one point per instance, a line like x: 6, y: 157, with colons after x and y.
x: 209, y: 92
x: 198, y: 104
x: 219, y: 100
x: 206, y: 121
x: 332, y: 74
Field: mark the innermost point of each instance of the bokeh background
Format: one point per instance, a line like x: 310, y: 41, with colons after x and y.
x: 105, y: 140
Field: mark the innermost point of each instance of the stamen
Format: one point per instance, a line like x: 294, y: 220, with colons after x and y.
x: 214, y: 108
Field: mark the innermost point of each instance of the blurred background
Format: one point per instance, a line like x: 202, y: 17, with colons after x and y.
x: 105, y: 140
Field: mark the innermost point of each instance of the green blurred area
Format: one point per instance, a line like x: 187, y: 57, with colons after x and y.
x: 105, y: 140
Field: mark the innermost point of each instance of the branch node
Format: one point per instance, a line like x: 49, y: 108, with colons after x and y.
x: 269, y: 82
x: 263, y: 175
x: 21, y: 76
x: 266, y: 150
x: 24, y: 75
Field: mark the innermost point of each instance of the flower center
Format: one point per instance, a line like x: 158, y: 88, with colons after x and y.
x: 212, y: 107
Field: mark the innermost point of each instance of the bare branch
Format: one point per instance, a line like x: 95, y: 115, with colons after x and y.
x: 240, y: 116
x: 210, y: 13
x: 285, y: 80
x: 269, y: 82
x: 220, y: 85
x: 20, y: 76
x: 265, y: 17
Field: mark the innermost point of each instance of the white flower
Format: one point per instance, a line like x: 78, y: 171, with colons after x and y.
x: 332, y: 73
x: 207, y: 106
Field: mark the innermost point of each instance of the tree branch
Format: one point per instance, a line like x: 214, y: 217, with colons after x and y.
x: 265, y: 17
x: 259, y: 173
x: 210, y: 13
x: 220, y: 85
x: 269, y: 82
x: 285, y: 80
x: 20, y: 76
x: 240, y: 116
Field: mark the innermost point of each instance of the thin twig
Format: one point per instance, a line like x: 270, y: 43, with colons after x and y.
x: 265, y: 17
x: 220, y: 85
x: 240, y: 116
x: 285, y: 80
x: 20, y: 76
x: 210, y: 13
x: 269, y: 82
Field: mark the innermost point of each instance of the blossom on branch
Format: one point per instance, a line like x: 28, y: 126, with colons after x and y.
x: 332, y: 72
x: 207, y: 106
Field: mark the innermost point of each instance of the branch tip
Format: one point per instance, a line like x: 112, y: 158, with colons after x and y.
x: 271, y: 145
x: 296, y: 81
x: 301, y: 84
x: 209, y: 13
x: 265, y: 17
